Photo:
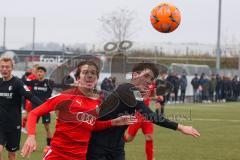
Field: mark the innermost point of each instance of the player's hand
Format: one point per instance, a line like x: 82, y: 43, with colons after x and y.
x: 29, y: 146
x: 160, y: 98
x: 124, y: 120
x: 188, y: 130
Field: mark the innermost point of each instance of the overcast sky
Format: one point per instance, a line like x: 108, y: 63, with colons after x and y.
x: 76, y: 21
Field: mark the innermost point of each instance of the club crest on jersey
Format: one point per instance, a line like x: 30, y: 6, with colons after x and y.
x: 26, y: 88
x: 137, y: 95
x: 45, y: 85
x: 10, y: 88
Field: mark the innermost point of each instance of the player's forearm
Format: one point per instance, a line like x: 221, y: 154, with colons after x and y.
x: 35, y: 113
x: 101, y: 125
x: 35, y: 100
x: 62, y: 86
x: 31, y: 123
x: 155, y: 118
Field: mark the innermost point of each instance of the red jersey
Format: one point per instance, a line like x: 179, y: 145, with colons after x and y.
x: 76, y: 119
x: 31, y: 77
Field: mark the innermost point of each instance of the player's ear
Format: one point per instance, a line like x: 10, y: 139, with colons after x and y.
x: 134, y: 75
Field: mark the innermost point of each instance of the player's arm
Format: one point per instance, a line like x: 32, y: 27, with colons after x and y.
x: 160, y: 120
x: 30, y: 144
x: 25, y: 92
x: 120, y: 121
x: 59, y: 85
x: 28, y: 82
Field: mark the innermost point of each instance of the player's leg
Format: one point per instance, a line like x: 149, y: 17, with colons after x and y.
x: 13, y: 143
x: 147, y: 129
x: 11, y: 155
x: 2, y: 143
x: 1, y: 151
x: 46, y: 120
x: 131, y: 132
x: 24, y: 122
x: 28, y: 108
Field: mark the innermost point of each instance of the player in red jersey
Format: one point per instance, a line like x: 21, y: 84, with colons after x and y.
x: 28, y: 104
x: 76, y: 118
x: 145, y: 125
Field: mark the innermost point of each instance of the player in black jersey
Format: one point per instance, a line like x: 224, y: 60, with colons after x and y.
x: 42, y: 88
x: 11, y: 91
x: 126, y: 99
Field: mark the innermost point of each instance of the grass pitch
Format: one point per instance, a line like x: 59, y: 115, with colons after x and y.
x: 219, y: 125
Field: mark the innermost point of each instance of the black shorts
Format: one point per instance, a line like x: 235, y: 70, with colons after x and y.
x: 10, y: 140
x: 99, y: 154
x: 46, y: 118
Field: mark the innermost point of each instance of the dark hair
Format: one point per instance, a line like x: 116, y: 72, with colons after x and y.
x: 142, y: 66
x: 86, y: 62
x: 42, y: 68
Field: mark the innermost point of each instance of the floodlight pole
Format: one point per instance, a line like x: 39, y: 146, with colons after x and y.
x: 33, y: 40
x: 239, y: 61
x: 4, y: 33
x: 218, y: 49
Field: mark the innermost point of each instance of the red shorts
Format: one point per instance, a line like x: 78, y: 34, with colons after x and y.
x: 145, y: 125
x: 50, y: 155
x: 53, y: 155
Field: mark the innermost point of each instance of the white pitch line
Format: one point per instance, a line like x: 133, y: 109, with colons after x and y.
x: 216, y: 120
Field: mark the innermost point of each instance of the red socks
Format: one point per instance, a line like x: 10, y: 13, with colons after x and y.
x: 149, y: 149
x: 24, y: 121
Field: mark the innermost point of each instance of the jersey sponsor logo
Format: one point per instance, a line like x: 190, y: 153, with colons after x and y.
x: 86, y: 118
x: 44, y: 89
x: 6, y: 95
x: 26, y: 88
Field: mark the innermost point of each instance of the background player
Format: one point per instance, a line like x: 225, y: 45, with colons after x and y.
x: 42, y: 88
x: 145, y: 125
x: 11, y: 91
x: 28, y: 105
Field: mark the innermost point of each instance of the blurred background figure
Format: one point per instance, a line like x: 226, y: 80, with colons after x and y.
x: 212, y: 88
x: 183, y: 87
x: 195, y: 85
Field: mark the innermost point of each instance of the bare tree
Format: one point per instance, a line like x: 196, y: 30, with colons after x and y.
x: 118, y: 25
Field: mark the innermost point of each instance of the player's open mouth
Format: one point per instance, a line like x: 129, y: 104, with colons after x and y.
x: 89, y: 81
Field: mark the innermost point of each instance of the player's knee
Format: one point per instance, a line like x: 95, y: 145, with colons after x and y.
x: 149, y: 137
x: 11, y: 155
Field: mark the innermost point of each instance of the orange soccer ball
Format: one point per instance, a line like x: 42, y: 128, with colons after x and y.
x: 165, y: 17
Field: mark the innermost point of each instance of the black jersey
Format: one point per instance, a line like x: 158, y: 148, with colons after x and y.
x: 41, y: 89
x: 112, y: 139
x: 11, y: 93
